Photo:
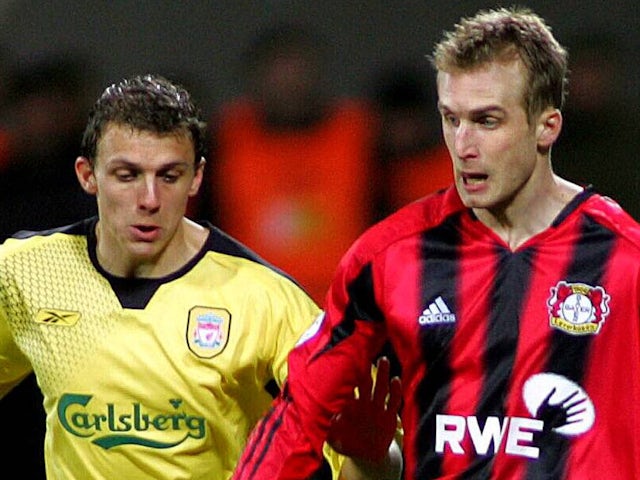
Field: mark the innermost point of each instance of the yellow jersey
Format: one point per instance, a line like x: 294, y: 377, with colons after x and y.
x: 146, y: 378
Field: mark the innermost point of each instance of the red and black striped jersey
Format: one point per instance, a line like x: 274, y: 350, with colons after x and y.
x: 516, y: 364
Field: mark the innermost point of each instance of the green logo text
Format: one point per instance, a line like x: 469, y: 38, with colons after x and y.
x: 129, y: 426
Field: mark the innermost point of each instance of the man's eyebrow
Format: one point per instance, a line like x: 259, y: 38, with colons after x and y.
x: 123, y: 162
x: 483, y: 110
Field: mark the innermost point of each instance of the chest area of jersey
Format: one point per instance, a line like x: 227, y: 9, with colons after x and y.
x: 490, y: 291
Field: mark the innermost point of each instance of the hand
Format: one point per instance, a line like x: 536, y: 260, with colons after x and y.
x: 368, y: 423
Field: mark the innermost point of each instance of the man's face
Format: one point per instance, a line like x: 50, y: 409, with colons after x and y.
x: 485, y: 127
x: 142, y: 182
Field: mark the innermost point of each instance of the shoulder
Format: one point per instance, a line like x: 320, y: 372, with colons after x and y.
x: 248, y: 269
x: 407, y: 223
x: 222, y: 243
x: 31, y: 240
x: 609, y: 214
x: 260, y: 297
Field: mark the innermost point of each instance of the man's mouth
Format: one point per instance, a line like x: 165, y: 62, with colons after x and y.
x: 473, y: 178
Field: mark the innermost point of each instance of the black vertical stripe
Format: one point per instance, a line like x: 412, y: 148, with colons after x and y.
x: 361, y: 306
x: 362, y: 290
x: 568, y: 354
x: 511, y: 284
x: 260, y: 432
x: 438, y: 274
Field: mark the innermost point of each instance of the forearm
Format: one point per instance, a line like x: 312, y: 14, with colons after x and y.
x: 387, y: 468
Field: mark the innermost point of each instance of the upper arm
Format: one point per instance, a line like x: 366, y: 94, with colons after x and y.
x: 14, y: 366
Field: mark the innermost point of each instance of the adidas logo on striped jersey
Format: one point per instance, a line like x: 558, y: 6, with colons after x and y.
x: 437, y: 313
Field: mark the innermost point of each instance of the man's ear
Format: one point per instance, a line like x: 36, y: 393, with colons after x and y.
x: 198, y: 177
x: 548, y: 128
x: 86, y: 177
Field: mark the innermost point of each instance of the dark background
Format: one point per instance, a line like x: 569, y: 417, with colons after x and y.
x: 199, y: 44
x: 200, y: 41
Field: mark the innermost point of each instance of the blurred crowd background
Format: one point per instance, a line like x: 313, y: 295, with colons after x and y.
x: 322, y: 117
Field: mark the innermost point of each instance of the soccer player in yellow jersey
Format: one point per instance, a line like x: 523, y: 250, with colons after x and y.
x: 157, y: 341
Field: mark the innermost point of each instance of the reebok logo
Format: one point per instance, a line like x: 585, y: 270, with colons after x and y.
x: 436, y: 313
x: 50, y: 316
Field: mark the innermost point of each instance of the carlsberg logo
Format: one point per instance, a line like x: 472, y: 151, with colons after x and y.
x: 129, y: 426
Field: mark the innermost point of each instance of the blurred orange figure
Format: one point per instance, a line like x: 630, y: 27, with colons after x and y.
x: 412, y: 159
x: 290, y: 172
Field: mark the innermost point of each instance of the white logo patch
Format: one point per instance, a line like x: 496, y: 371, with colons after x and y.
x: 546, y: 390
x: 437, y: 312
x: 556, y: 404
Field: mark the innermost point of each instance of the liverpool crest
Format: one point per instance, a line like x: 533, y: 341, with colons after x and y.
x: 208, y: 330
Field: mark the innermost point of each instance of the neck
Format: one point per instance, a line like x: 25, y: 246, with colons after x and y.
x: 180, y: 249
x: 530, y: 215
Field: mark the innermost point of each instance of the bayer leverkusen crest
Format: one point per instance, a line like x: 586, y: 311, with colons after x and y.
x: 208, y: 330
x: 577, y: 308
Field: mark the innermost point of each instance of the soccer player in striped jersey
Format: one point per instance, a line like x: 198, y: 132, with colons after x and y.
x: 511, y: 300
x: 157, y: 341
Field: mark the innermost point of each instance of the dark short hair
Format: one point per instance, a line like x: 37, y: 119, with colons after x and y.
x: 148, y: 103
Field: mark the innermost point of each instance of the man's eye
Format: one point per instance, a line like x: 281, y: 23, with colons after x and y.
x: 125, y: 176
x: 451, y: 120
x: 170, y: 177
x: 489, y: 122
